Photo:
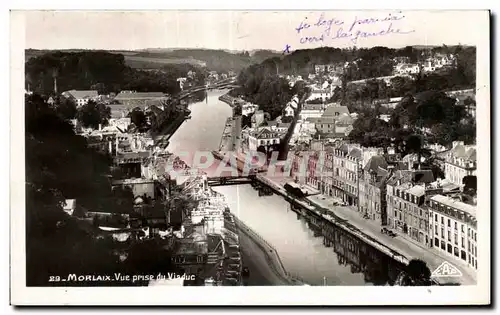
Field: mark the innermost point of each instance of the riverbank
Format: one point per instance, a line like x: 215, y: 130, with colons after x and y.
x: 168, y: 131
x: 264, y: 256
x: 347, y: 218
x: 231, y: 101
x: 400, y: 249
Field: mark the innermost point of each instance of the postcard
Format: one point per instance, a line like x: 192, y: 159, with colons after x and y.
x: 284, y: 157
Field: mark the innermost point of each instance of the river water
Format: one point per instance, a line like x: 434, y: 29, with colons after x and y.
x: 347, y: 262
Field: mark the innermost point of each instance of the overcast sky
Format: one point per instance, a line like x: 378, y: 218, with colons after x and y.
x: 237, y: 30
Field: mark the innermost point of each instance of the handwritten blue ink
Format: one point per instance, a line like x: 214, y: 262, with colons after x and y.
x: 328, y: 23
x: 287, y: 49
x: 303, y: 25
x: 312, y: 39
x: 354, y: 36
x: 388, y: 18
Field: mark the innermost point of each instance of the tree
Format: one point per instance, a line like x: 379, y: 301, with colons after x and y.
x: 138, y: 117
x: 94, y: 114
x: 418, y: 273
x: 66, y: 108
x: 470, y: 185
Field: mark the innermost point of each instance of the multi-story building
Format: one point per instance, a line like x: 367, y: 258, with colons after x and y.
x: 81, y: 97
x: 138, y: 99
x: 453, y: 228
x: 460, y: 162
x: 311, y: 111
x: 263, y: 136
x: 407, y: 191
x: 372, y: 189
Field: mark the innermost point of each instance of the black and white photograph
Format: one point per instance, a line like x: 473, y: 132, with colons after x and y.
x: 258, y: 150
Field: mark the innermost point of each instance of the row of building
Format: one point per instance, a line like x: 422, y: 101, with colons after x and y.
x: 398, y: 193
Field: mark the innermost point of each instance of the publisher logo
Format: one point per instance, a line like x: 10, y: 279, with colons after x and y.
x: 446, y: 270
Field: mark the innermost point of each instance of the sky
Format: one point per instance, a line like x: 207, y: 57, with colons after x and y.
x: 239, y: 30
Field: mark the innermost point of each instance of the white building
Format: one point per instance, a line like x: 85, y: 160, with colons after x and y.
x: 263, y: 136
x: 311, y: 111
x: 460, y: 162
x: 406, y: 68
x: 453, y: 229
x: 248, y: 109
x: 81, y: 97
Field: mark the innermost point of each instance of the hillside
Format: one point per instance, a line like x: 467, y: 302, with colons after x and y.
x: 155, y: 58
x: 102, y: 71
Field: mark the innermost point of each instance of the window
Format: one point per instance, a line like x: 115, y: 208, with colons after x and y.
x: 436, y: 228
x: 442, y: 220
x: 449, y: 223
x: 455, y: 251
x: 463, y: 242
x: 436, y: 242
x: 475, y: 234
x: 463, y: 255
x: 456, y: 225
x: 199, y: 259
x: 436, y: 217
x: 449, y: 236
x: 442, y: 232
x: 463, y: 228
x: 443, y: 246
x: 449, y: 248
x: 468, y: 232
x: 456, y: 239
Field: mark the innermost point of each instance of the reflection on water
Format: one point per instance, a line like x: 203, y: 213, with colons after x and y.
x: 316, y: 252
x: 309, y: 249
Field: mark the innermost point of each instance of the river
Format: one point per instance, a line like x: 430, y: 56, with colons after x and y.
x: 347, y: 262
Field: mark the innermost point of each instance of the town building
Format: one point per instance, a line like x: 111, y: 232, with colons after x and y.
x: 460, y: 161
x: 141, y: 187
x: 257, y: 118
x: 81, y: 97
x: 311, y: 111
x: 248, y: 109
x: 372, y: 189
x: 453, y: 227
x: 407, y: 213
x: 263, y: 136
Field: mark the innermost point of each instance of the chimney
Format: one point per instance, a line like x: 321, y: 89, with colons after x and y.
x: 100, y: 127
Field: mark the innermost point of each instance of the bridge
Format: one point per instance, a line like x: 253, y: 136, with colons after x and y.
x: 230, y: 180
x: 226, y: 83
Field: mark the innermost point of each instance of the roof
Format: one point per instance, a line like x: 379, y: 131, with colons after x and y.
x: 375, y: 162
x: 82, y: 94
x: 356, y: 153
x: 334, y: 110
x: 414, y: 176
x: 455, y: 204
x: 464, y: 151
x: 417, y: 190
x: 69, y: 204
x: 312, y: 107
x: 124, y: 95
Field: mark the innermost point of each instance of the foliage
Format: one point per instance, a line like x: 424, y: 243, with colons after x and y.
x: 102, y: 71
x: 470, y: 184
x: 94, y: 114
x: 138, y: 117
x: 66, y: 108
x: 418, y: 273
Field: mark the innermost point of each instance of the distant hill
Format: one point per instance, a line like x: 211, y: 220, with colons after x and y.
x: 155, y: 58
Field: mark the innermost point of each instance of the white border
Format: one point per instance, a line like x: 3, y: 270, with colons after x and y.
x: 247, y: 295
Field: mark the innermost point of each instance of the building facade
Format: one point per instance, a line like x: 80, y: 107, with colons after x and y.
x: 453, y: 228
x: 460, y: 162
